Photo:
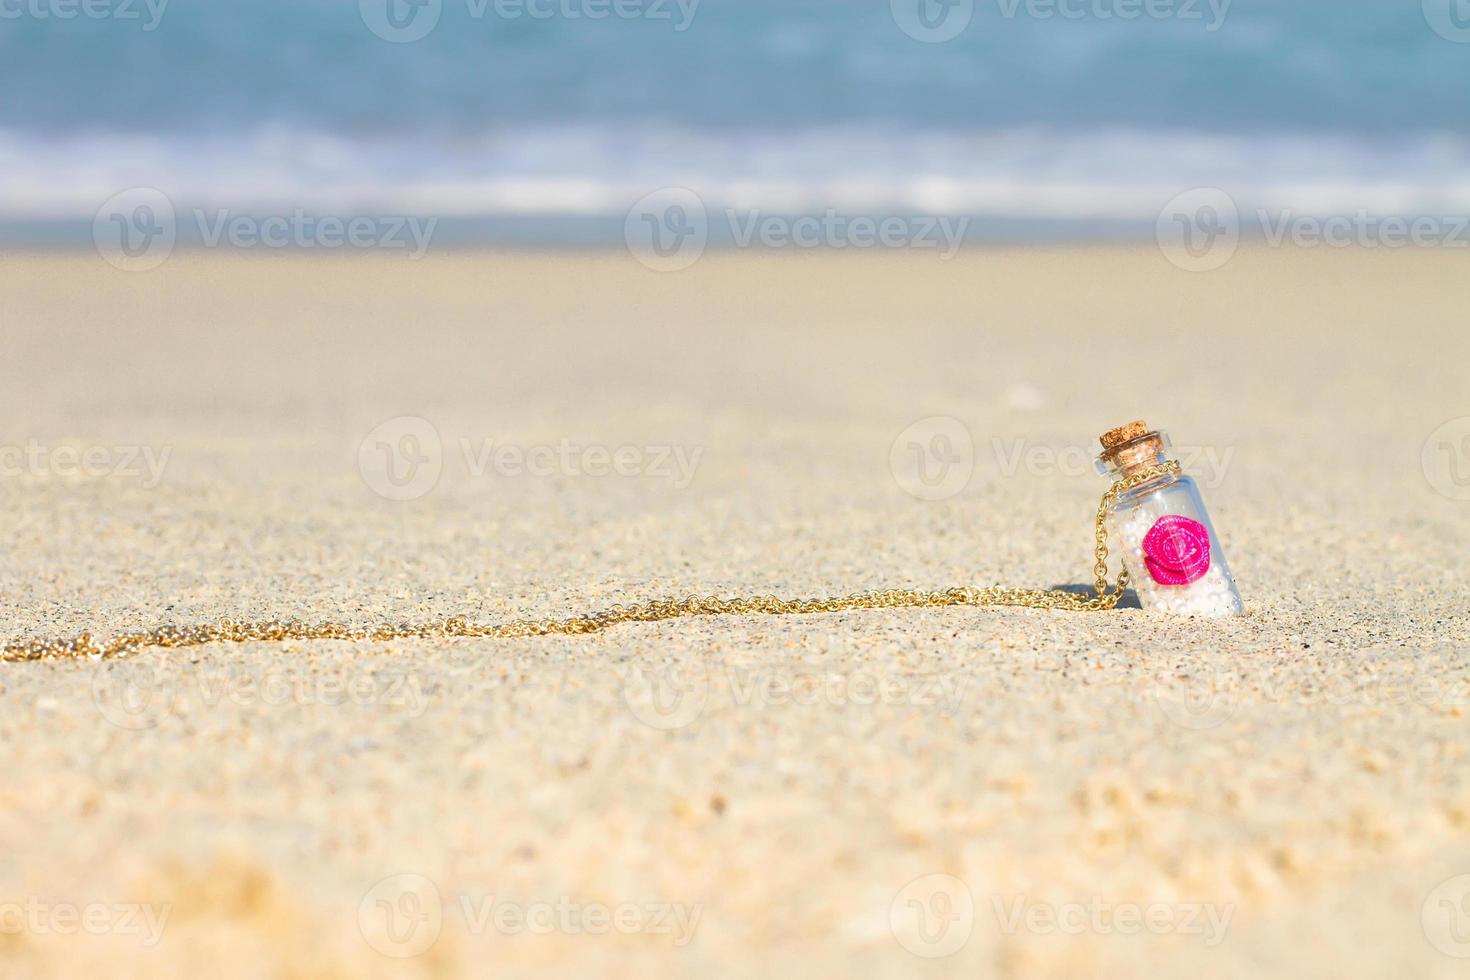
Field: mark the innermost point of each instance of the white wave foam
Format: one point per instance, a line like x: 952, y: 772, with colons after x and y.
x: 1025, y: 173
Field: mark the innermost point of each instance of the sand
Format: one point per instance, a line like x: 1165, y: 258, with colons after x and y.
x: 875, y: 794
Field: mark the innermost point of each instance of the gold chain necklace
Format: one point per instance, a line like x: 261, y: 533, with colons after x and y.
x: 229, y: 631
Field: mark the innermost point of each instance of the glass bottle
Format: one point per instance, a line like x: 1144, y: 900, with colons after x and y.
x: 1162, y: 532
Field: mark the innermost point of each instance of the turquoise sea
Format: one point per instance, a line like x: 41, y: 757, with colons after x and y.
x: 544, y: 120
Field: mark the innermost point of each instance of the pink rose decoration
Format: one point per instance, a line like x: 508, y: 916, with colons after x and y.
x: 1176, y: 550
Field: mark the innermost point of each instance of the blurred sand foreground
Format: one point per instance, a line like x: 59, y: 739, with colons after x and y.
x: 929, y: 793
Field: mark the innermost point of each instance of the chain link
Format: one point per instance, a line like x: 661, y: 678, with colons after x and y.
x: 274, y: 631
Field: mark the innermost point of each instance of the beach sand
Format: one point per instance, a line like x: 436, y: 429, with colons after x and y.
x: 935, y: 792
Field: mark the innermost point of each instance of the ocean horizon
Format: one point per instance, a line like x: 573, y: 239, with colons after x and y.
x: 545, y: 122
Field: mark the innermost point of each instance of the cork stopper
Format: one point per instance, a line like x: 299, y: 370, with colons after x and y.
x: 1113, y: 438
x: 1130, y: 448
